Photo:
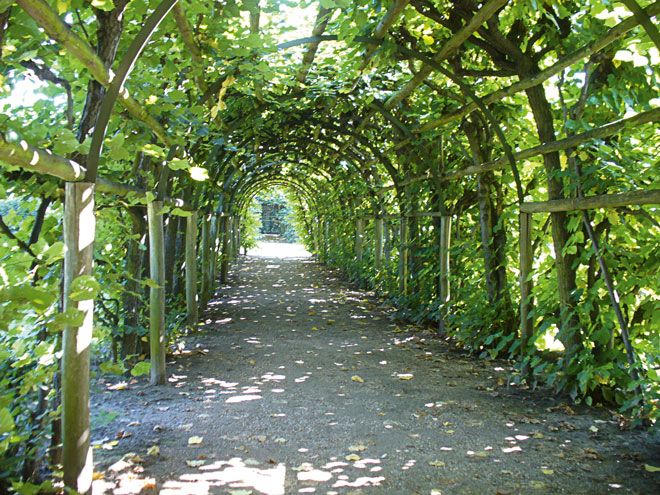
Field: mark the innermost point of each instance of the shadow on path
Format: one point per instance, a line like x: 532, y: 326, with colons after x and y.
x: 299, y: 384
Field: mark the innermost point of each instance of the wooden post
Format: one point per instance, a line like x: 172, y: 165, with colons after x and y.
x: 445, y: 294
x: 525, y: 238
x: 79, y: 234
x: 191, y: 271
x: 170, y: 251
x: 237, y: 234
x: 359, y: 236
x: 226, y: 232
x: 403, y: 255
x: 205, y: 247
x: 215, y: 233
x: 378, y: 236
x: 156, y: 293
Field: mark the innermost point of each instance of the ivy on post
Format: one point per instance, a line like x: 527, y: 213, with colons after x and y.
x: 192, y: 314
x: 79, y: 292
x: 156, y: 292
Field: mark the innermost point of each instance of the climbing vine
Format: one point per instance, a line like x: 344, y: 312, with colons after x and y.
x: 490, y: 168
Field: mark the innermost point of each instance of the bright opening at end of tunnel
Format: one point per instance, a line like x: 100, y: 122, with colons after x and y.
x: 275, y: 224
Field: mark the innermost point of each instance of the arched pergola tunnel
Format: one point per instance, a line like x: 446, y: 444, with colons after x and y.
x: 430, y: 154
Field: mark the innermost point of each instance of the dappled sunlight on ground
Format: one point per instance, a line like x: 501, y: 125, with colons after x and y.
x: 279, y: 250
x: 300, y: 384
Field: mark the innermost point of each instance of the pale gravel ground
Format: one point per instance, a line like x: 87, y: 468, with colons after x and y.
x: 268, y: 385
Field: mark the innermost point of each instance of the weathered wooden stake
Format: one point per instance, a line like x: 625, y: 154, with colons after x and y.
x: 156, y: 293
x: 79, y: 234
x: 191, y: 271
x: 403, y: 255
x: 525, y: 239
x: 205, y: 247
x: 226, y: 233
x: 359, y: 237
x: 214, y: 252
x: 378, y: 238
x: 445, y: 293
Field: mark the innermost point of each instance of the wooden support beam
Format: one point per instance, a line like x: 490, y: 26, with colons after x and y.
x: 615, y: 33
x: 79, y: 235
x: 192, y: 311
x: 403, y: 255
x: 526, y: 284
x: 456, y: 40
x: 215, y: 232
x: 378, y: 241
x: 226, y: 233
x: 40, y: 161
x: 45, y: 162
x: 157, y: 338
x: 562, y: 144
x: 630, y: 198
x: 205, y: 248
x: 59, y: 31
x: 445, y: 289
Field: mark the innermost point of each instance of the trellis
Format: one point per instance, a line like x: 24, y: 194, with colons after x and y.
x: 219, y: 234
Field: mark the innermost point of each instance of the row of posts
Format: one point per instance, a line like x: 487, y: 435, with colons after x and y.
x: 382, y: 252
x: 220, y: 237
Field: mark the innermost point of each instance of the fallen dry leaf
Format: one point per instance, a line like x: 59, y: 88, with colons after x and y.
x: 153, y: 450
x: 357, y: 378
x: 437, y: 463
x: 357, y: 448
x: 195, y: 440
x: 195, y: 463
x: 352, y: 457
x: 404, y: 376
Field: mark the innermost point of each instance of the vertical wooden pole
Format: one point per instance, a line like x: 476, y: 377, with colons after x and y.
x: 205, y: 247
x: 232, y: 238
x: 191, y: 271
x: 403, y: 255
x: 445, y: 294
x: 525, y: 238
x: 378, y: 238
x: 226, y: 232
x: 156, y: 293
x: 359, y: 237
x: 170, y: 251
x: 79, y: 234
x: 237, y: 234
x: 215, y: 233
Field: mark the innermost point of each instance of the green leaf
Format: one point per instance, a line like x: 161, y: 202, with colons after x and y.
x: 6, y: 421
x: 54, y: 253
x: 106, y: 5
x: 83, y: 288
x: 65, y: 142
x: 111, y: 368
x: 178, y: 164
x: 142, y: 368
x: 199, y: 174
x: 181, y: 213
x: 72, y: 317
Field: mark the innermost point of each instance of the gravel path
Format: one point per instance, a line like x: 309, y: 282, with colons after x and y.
x: 299, y: 384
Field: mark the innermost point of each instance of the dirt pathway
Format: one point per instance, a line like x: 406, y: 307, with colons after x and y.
x: 299, y: 384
